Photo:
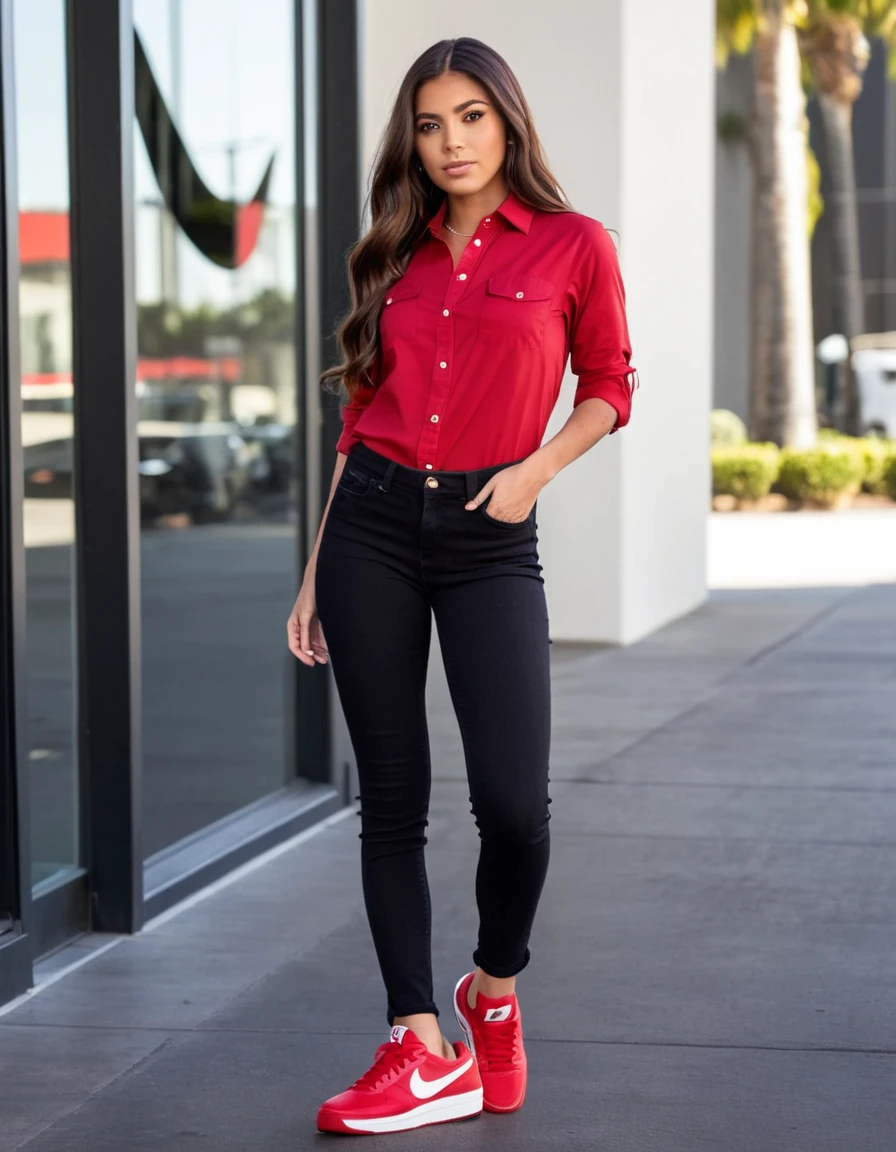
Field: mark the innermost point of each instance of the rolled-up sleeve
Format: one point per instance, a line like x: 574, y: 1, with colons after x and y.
x: 353, y: 411
x: 600, y: 348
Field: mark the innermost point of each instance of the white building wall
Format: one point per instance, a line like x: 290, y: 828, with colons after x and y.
x: 622, y: 92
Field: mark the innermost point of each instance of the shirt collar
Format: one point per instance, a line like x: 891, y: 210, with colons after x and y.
x: 513, y: 210
x: 517, y: 213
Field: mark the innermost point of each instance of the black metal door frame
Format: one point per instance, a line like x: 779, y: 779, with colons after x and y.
x: 339, y: 200
x: 100, y: 40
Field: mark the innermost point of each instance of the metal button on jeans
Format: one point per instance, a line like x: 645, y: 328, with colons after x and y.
x: 431, y: 482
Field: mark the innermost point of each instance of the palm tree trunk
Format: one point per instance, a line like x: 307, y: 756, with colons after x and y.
x: 783, y: 394
x: 848, y: 302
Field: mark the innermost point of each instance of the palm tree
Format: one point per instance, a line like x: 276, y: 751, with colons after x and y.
x: 782, y: 401
x: 834, y: 44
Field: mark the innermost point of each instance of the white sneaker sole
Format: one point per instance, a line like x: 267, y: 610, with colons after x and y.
x: 461, y: 1019
x: 436, y: 1112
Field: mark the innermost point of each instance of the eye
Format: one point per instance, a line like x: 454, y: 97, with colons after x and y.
x: 427, y: 124
x: 475, y: 112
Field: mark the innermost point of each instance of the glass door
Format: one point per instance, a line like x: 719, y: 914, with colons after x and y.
x: 47, y: 436
x: 217, y: 405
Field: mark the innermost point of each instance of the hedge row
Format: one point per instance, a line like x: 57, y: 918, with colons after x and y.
x: 746, y: 471
x: 837, y: 467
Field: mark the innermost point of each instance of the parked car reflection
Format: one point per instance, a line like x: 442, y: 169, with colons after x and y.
x: 208, y: 472
x: 189, y: 466
x: 203, y: 470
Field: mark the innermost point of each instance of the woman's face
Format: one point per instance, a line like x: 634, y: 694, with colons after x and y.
x: 461, y: 139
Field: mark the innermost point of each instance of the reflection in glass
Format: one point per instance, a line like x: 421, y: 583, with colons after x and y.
x: 45, y: 306
x: 216, y: 390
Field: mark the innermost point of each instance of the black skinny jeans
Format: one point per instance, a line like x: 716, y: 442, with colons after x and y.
x: 397, y: 548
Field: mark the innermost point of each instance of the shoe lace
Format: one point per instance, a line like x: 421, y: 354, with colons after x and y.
x: 388, y: 1062
x: 498, y: 1048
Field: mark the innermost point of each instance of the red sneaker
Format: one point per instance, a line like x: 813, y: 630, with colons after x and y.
x: 406, y: 1087
x: 494, y: 1032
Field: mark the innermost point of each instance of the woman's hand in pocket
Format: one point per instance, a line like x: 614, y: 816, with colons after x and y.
x: 511, y: 494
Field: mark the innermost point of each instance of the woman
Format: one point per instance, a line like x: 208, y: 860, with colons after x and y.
x: 474, y: 284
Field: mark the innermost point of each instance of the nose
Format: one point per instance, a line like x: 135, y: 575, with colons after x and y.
x: 453, y: 141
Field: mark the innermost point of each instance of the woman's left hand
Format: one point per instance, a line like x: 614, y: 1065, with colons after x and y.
x: 513, y: 492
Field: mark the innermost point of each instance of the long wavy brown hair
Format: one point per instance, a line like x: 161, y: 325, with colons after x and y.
x: 402, y: 198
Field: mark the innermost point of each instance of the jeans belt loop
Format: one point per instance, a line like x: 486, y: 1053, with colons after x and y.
x: 387, y: 476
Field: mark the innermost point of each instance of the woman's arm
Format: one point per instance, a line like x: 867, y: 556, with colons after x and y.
x: 304, y: 634
x: 351, y: 414
x: 516, y: 488
x: 600, y: 347
x: 337, y: 472
x: 589, y: 422
x: 600, y: 356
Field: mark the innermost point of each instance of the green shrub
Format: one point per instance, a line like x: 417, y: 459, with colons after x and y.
x: 821, y: 475
x: 888, y: 476
x: 746, y: 472
x: 876, y: 452
x: 726, y: 429
x: 873, y: 451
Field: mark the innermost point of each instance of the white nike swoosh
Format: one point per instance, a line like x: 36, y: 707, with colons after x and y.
x: 425, y: 1089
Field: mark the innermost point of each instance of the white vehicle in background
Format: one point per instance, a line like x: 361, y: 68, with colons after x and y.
x: 874, y: 363
x: 47, y: 412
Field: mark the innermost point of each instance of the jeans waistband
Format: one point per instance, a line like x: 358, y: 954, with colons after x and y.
x: 388, y: 472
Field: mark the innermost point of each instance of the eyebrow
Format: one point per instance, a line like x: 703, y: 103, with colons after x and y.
x: 459, y: 108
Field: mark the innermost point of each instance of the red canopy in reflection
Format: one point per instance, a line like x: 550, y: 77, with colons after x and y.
x: 171, y: 368
x: 44, y: 238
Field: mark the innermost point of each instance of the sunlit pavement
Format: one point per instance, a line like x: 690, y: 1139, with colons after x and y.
x: 851, y: 547
x: 712, y: 961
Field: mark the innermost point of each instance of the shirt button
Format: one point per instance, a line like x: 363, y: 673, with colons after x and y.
x: 462, y: 276
x: 429, y: 465
x: 519, y: 295
x: 431, y: 481
x: 443, y: 363
x: 389, y: 301
x: 434, y: 419
x: 478, y: 243
x: 445, y: 312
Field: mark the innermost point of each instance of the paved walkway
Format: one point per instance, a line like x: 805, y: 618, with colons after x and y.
x: 712, y: 963
x: 849, y: 548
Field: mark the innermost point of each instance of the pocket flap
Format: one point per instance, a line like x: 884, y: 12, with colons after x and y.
x: 520, y: 287
x: 402, y: 290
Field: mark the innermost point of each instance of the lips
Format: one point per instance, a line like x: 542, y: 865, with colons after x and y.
x: 459, y: 167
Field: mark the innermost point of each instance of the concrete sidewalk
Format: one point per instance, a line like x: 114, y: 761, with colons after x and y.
x: 713, y: 958
x: 852, y: 547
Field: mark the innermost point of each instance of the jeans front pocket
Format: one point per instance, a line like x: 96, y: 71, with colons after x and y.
x: 509, y: 525
x: 354, y: 482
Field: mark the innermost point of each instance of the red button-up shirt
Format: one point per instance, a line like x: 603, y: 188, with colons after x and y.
x: 471, y: 358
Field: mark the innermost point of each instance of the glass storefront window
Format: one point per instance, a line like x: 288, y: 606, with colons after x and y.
x: 216, y: 388
x: 45, y: 305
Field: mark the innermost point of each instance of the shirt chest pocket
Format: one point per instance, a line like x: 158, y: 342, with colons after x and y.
x: 515, y: 310
x: 398, y: 319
